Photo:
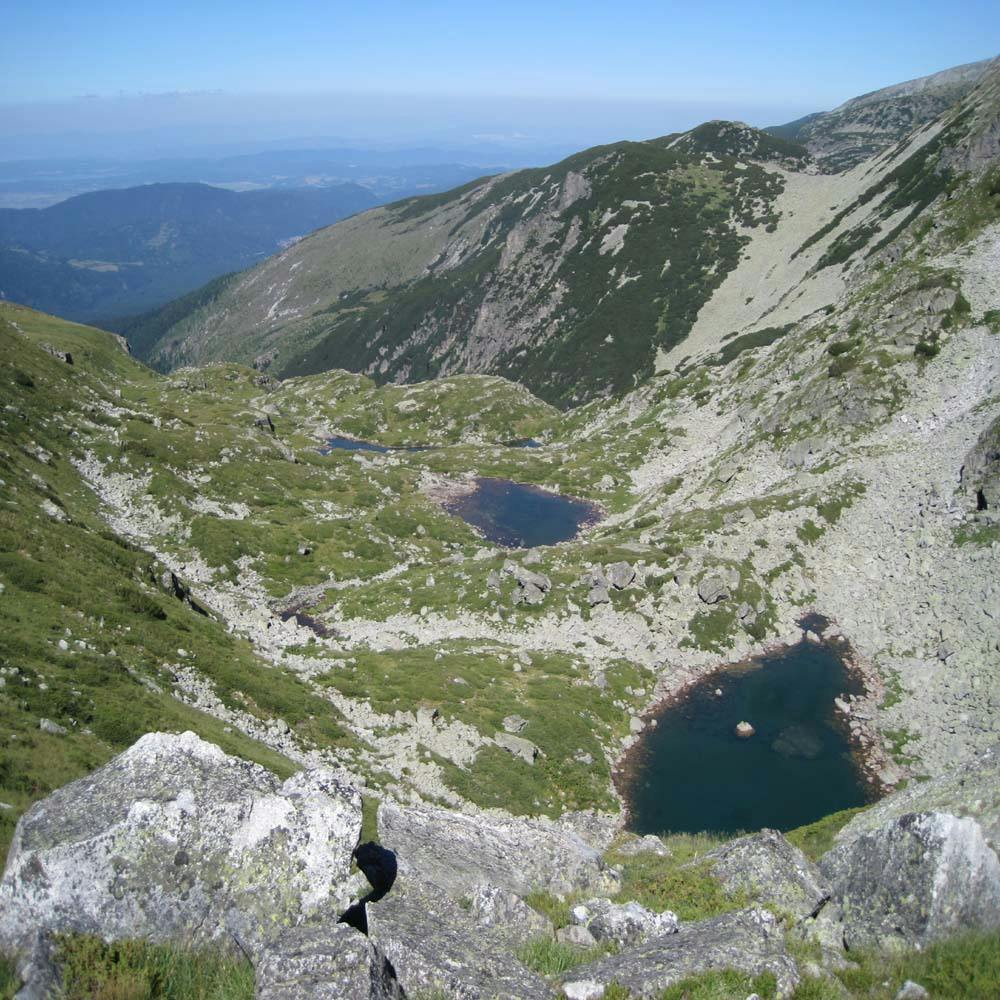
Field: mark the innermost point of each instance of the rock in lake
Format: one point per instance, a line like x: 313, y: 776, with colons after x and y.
x: 744, y: 730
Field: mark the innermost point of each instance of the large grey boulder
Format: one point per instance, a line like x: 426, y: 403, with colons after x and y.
x: 749, y: 941
x: 713, y: 589
x: 458, y: 852
x: 620, y: 575
x: 770, y: 870
x: 920, y: 878
x: 324, y: 962
x: 518, y: 746
x: 923, y: 862
x: 175, y: 840
x: 435, y: 947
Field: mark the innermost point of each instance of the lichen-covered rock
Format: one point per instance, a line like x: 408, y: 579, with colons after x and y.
x: 917, y: 879
x: 749, y: 941
x: 713, y: 589
x: 973, y: 791
x: 435, y: 947
x: 173, y: 839
x: 508, y: 914
x: 770, y: 870
x: 625, y: 923
x: 324, y: 962
x: 458, y: 852
x: 620, y: 575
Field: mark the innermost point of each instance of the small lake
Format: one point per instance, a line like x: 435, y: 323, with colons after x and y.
x: 692, y: 772
x: 516, y: 515
x: 339, y: 443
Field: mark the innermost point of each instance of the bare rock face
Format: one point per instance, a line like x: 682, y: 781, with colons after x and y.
x: 920, y: 878
x: 436, y: 947
x: 770, y: 870
x: 508, y: 914
x: 325, y: 962
x: 748, y: 941
x: 458, y: 853
x: 175, y: 840
x: 922, y: 863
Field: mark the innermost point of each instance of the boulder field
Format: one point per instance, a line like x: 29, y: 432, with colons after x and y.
x: 175, y: 841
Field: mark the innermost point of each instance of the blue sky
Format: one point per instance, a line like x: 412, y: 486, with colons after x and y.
x: 649, y: 50
x: 760, y: 62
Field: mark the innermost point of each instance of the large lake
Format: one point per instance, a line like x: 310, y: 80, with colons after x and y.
x: 517, y: 515
x: 692, y: 772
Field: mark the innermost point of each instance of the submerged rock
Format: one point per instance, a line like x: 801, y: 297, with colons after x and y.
x: 175, y: 840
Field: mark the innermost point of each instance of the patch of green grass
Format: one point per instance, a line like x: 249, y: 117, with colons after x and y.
x: 722, y: 985
x: 9, y: 982
x: 92, y: 969
x: 680, y: 882
x: 552, y: 958
x: 809, y: 531
x: 556, y: 909
x: 815, y: 839
x: 966, y: 967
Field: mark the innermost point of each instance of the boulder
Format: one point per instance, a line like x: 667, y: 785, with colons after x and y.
x: 576, y: 935
x: 326, y: 961
x: 517, y: 746
x: 648, y: 844
x: 620, y: 575
x: 435, y: 947
x: 52, y: 728
x: 528, y: 594
x: 598, y: 595
x: 748, y: 941
x: 175, y: 840
x: 458, y: 853
x: 514, y: 723
x: 508, y: 914
x: 920, y: 878
x: 771, y: 871
x: 712, y: 589
x: 626, y: 924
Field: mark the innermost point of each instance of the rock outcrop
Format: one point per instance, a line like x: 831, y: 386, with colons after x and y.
x: 749, y: 940
x: 175, y: 840
x: 459, y: 853
x: 771, y: 871
x: 922, y: 864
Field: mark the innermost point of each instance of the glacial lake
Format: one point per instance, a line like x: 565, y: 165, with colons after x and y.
x: 339, y: 443
x: 691, y: 772
x: 517, y: 515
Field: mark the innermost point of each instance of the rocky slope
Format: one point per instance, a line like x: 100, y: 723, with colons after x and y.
x: 173, y: 841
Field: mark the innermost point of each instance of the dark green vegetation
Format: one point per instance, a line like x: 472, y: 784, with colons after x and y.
x: 692, y: 772
x: 108, y: 254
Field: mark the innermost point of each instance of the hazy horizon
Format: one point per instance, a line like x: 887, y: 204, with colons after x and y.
x: 112, y: 79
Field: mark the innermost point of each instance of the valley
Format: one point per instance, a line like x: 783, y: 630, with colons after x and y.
x: 761, y: 386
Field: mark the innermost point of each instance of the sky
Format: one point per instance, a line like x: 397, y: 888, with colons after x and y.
x: 383, y: 70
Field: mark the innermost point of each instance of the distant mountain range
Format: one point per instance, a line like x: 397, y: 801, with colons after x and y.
x: 108, y: 254
x: 611, y: 255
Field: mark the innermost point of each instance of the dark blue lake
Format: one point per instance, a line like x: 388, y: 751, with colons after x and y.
x: 339, y: 443
x: 523, y: 443
x: 692, y: 773
x: 521, y: 516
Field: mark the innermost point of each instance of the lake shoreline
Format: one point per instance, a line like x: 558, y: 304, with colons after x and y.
x: 857, y: 725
